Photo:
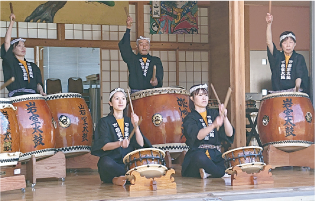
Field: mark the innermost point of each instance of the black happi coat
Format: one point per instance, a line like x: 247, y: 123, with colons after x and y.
x: 192, y: 124
x: 13, y: 68
x: 282, y: 80
x: 108, y: 130
x: 137, y: 79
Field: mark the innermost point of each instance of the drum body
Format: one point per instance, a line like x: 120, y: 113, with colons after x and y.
x: 249, y: 159
x: 9, y: 134
x: 286, y: 120
x: 149, y: 162
x: 74, y: 123
x: 162, y: 111
x: 36, y: 126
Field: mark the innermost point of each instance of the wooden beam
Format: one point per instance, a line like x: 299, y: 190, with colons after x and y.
x: 61, y: 33
x: 32, y: 42
x: 237, y: 69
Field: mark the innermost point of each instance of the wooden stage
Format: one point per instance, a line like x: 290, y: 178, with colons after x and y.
x: 290, y: 183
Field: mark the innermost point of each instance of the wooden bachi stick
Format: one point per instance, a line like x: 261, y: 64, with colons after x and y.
x: 7, y: 83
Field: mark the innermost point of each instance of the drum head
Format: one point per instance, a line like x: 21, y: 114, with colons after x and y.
x: 149, y: 171
x: 74, y: 150
x: 248, y: 167
x: 291, y: 147
x: 43, y: 153
x: 8, y: 159
x: 158, y: 91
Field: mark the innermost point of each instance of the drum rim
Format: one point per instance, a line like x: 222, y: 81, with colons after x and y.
x: 134, y: 96
x: 30, y: 96
x: 285, y: 94
x: 60, y: 94
x: 144, y: 149
x: 227, y: 152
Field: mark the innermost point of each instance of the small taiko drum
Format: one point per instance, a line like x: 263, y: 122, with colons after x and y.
x: 36, y: 126
x: 149, y: 162
x: 286, y: 121
x: 74, y: 123
x: 249, y: 159
x: 9, y: 134
x: 162, y: 111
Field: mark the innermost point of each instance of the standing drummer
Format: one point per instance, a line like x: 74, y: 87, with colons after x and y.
x: 28, y: 78
x: 288, y: 68
x: 140, y: 65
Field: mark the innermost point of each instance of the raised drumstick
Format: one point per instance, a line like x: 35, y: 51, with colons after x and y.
x: 130, y: 101
x: 154, y: 73
x: 134, y: 129
x: 11, y: 7
x: 269, y: 7
x: 7, y: 83
x: 126, y: 11
x: 215, y: 94
x: 227, y: 97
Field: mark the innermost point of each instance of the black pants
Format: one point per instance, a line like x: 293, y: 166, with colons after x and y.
x: 200, y: 160
x: 109, y: 168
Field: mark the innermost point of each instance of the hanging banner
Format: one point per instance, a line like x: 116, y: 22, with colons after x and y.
x: 69, y: 12
x: 173, y: 17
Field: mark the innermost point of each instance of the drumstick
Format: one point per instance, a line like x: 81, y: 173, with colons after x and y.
x: 215, y: 94
x: 154, y: 73
x: 269, y: 7
x: 11, y: 7
x: 227, y: 97
x: 130, y: 101
x: 7, y: 83
x: 134, y: 129
x: 126, y: 11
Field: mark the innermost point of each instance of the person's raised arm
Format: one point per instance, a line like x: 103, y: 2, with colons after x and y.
x: 269, y: 19
x: 7, y: 38
x: 124, y: 43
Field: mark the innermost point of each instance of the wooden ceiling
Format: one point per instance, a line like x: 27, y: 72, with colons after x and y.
x: 280, y: 3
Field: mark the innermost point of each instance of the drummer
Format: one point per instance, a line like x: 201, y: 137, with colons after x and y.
x: 288, y: 68
x: 28, y: 78
x: 204, y: 158
x: 111, y: 139
x: 140, y: 65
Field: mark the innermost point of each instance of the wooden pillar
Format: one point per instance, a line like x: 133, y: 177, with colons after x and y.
x: 140, y: 18
x: 61, y: 33
x: 237, y: 70
x: 247, y: 49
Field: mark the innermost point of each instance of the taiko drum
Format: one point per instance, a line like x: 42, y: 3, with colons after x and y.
x: 36, y: 126
x: 9, y: 134
x: 149, y: 162
x: 74, y: 123
x: 249, y: 159
x: 162, y: 111
x: 286, y: 120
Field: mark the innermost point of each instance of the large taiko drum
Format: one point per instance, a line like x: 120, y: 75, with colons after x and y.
x: 162, y: 111
x: 36, y: 126
x: 286, y: 121
x: 74, y: 123
x: 149, y: 162
x: 9, y: 134
x: 249, y: 159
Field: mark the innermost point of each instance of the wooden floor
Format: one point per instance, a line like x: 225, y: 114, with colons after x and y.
x: 84, y: 184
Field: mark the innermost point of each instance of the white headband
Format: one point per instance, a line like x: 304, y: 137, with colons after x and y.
x: 116, y: 90
x: 142, y: 38
x: 16, y: 40
x: 201, y: 86
x: 285, y: 36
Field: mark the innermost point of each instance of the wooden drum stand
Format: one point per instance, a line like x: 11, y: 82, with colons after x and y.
x: 140, y: 183
x: 10, y: 178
